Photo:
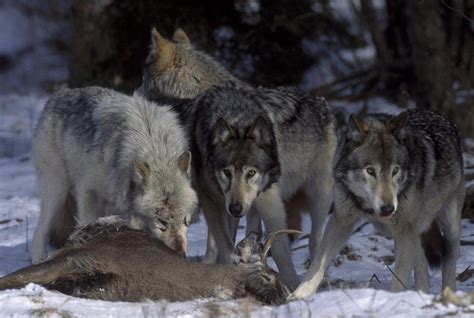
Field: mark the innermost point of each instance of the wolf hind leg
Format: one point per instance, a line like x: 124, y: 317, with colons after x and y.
x: 53, y: 189
x: 450, y: 222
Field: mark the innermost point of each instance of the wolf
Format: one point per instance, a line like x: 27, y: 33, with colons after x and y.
x: 255, y: 148
x: 113, y: 154
x: 405, y: 171
x: 176, y: 70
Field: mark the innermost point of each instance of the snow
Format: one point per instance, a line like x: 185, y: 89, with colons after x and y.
x: 358, y: 278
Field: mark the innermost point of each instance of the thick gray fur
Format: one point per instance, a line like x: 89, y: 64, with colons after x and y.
x: 176, y: 69
x: 291, y: 149
x: 114, y: 154
x: 417, y: 165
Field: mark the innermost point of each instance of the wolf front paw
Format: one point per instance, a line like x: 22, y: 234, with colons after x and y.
x: 303, y: 291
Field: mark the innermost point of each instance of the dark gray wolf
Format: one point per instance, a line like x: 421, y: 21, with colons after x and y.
x: 114, y: 154
x: 175, y: 69
x: 405, y: 171
x: 254, y: 148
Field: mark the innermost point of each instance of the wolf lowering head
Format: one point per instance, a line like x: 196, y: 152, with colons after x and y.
x: 244, y: 161
x: 373, y: 163
x: 161, y: 200
x: 175, y: 69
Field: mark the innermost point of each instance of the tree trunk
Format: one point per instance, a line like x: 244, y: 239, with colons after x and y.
x: 430, y: 56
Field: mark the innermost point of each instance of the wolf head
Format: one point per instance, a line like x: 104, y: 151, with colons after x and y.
x: 244, y: 162
x: 163, y: 200
x: 374, y: 164
x: 175, y: 69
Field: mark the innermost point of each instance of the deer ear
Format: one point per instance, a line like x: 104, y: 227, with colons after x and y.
x: 161, y: 49
x: 142, y: 170
x: 223, y: 132
x: 181, y: 37
x: 184, y: 162
x: 396, y: 123
x: 261, y: 131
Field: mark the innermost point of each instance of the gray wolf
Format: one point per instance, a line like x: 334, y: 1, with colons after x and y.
x: 175, y: 69
x: 405, y: 171
x: 108, y: 260
x: 113, y: 154
x: 255, y: 148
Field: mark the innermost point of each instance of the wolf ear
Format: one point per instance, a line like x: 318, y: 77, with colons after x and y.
x: 184, y: 162
x: 261, y: 131
x: 161, y: 48
x: 396, y: 123
x: 181, y: 37
x: 358, y: 123
x: 223, y: 132
x: 142, y: 170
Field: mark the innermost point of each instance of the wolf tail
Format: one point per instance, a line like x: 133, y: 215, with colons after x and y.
x: 435, y: 245
x: 64, y: 223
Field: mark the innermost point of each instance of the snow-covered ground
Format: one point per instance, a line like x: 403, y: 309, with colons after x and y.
x: 358, y: 278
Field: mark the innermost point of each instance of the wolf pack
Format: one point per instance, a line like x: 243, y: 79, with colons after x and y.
x: 195, y: 139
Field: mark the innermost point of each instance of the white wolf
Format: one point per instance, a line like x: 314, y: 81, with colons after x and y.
x: 113, y: 154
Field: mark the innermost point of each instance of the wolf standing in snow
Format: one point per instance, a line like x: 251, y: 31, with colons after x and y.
x: 253, y: 149
x: 405, y: 171
x: 175, y: 69
x: 114, y: 154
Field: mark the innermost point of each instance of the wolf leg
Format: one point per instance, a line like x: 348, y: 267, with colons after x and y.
x: 337, y: 233
x: 319, y: 193
x: 210, y: 257
x: 422, y: 279
x: 254, y: 222
x: 53, y: 189
x: 406, y: 246
x: 88, y: 206
x: 450, y: 223
x: 219, y: 228
x: 272, y: 211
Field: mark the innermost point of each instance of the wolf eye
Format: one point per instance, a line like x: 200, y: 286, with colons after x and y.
x: 251, y: 173
x: 395, y: 171
x: 227, y: 173
x: 370, y: 171
x: 163, y: 224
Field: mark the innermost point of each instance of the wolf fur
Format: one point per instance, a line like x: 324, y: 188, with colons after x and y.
x: 175, y: 69
x: 254, y: 148
x: 186, y: 75
x: 113, y: 154
x: 405, y: 171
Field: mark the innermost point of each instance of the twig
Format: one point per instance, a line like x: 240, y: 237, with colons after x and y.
x: 395, y: 275
x: 27, y: 225
x: 457, y: 10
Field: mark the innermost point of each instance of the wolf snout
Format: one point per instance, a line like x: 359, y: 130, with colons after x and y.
x: 236, y: 210
x: 181, y: 247
x: 387, y: 210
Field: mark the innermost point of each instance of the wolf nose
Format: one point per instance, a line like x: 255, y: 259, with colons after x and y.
x: 236, y: 209
x: 386, y: 210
